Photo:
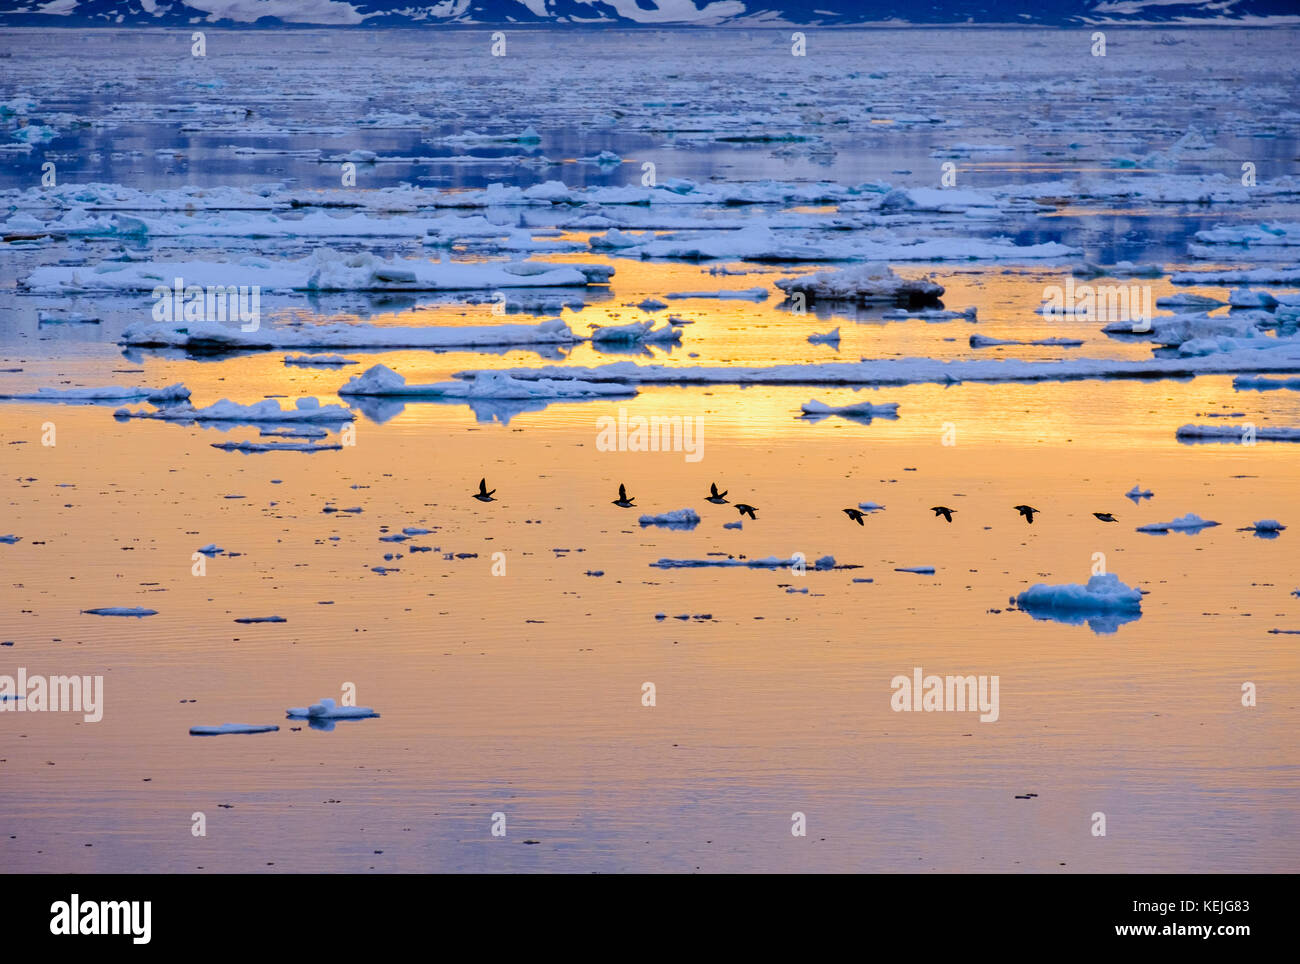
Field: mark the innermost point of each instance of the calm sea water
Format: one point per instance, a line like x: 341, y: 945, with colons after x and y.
x: 520, y: 693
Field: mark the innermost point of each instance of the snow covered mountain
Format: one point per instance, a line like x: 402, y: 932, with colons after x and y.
x: 414, y: 13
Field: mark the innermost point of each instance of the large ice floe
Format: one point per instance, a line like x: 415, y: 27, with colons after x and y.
x: 325, y: 713
x: 267, y: 410
x: 1191, y: 523
x: 1240, y: 434
x: 862, y: 284
x: 323, y: 270
x: 215, y: 336
x: 814, y: 410
x: 381, y: 380
x: 824, y: 564
x: 1104, y: 602
x: 105, y: 395
x: 229, y: 728
x: 677, y: 519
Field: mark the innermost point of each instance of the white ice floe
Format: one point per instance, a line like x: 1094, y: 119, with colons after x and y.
x: 323, y: 270
x: 225, y: 728
x: 867, y: 410
x: 211, y: 549
x: 831, y: 337
x: 1250, y: 298
x: 1188, y: 299
x: 1271, y: 274
x: 1262, y: 383
x: 253, y: 447
x: 985, y: 341
x: 1137, y: 492
x: 726, y: 294
x: 1239, y: 433
x: 112, y: 393
x: 862, y: 284
x: 635, y: 333
x: 870, y: 506
x: 10, y: 539
x: 1103, y: 592
x: 211, y: 335
x: 919, y: 570
x: 1281, y: 357
x: 1190, y: 523
x: 325, y: 360
x: 121, y: 611
x: 677, y: 519
x: 382, y: 380
x: 327, y: 710
x: 1267, y: 526
x: 267, y: 410
x: 767, y: 562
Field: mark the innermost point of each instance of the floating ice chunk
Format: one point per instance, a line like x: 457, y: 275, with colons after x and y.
x: 985, y: 341
x: 1123, y: 269
x: 1261, y: 383
x: 278, y: 446
x: 744, y: 294
x: 870, y: 506
x: 635, y: 333
x: 215, y: 336
x: 10, y: 539
x: 767, y: 562
x: 327, y: 360
x: 677, y: 519
x: 831, y: 337
x: 211, y: 549
x: 267, y: 410
x: 327, y: 710
x: 261, y: 619
x: 1137, y: 492
x: 225, y: 728
x: 920, y: 570
x: 862, y: 284
x: 1187, y: 299
x: 1238, y: 433
x: 121, y: 611
x: 112, y: 393
x: 1267, y: 525
x: 381, y: 380
x: 1190, y: 523
x: 1103, y: 592
x: 858, y: 410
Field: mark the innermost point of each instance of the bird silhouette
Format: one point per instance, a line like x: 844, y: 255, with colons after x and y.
x: 1105, y: 517
x: 855, y: 515
x: 716, y: 497
x: 748, y: 510
x: 943, y: 510
x: 623, y: 499
x: 483, y: 495
x: 1027, y: 511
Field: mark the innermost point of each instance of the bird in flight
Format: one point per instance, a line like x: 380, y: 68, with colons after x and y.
x: 943, y: 510
x: 715, y: 496
x: 855, y: 515
x: 483, y: 495
x: 1105, y: 517
x: 1027, y: 511
x: 748, y: 510
x: 623, y: 499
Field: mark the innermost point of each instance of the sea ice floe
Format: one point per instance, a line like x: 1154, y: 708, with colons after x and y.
x: 112, y: 393
x: 1103, y: 592
x: 1269, y: 527
x: 1261, y: 383
x: 635, y: 333
x: 267, y: 410
x: 121, y: 611
x: 323, y: 270
x: 831, y: 337
x: 381, y: 380
x: 10, y: 539
x: 253, y: 447
x: 919, y: 570
x: 211, y: 335
x: 814, y: 409
x: 327, y: 710
x: 862, y: 284
x: 677, y: 519
x: 1190, y: 523
x: 225, y: 728
x: 325, y: 360
x: 767, y: 562
x: 726, y: 294
x: 985, y: 341
x: 1238, y: 433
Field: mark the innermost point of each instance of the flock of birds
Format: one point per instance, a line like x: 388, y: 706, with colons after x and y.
x: 719, y: 498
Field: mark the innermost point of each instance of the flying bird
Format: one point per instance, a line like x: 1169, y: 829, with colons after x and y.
x: 1027, y: 511
x: 943, y: 510
x: 855, y: 515
x: 623, y: 499
x: 483, y: 495
x: 716, y: 497
x: 1105, y: 517
x: 748, y: 510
